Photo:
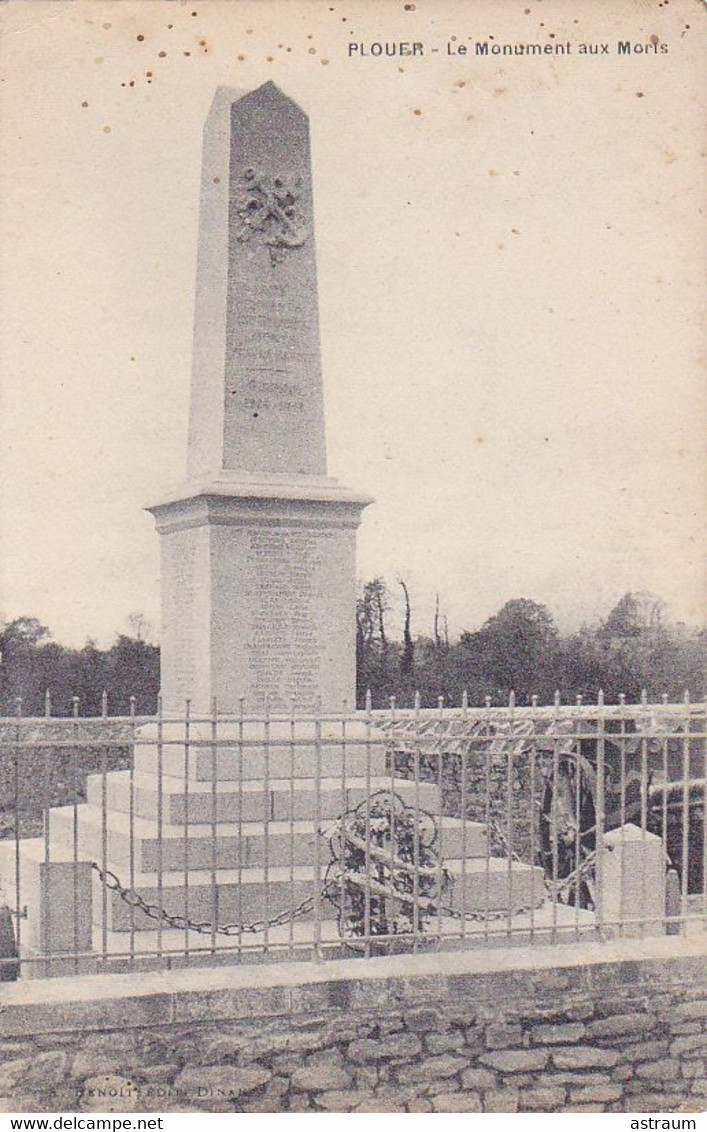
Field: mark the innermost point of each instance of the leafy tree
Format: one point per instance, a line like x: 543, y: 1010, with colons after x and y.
x: 518, y: 649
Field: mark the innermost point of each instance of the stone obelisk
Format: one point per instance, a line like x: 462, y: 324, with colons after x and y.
x: 258, y: 546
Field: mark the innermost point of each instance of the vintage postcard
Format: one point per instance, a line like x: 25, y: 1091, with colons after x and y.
x: 352, y: 583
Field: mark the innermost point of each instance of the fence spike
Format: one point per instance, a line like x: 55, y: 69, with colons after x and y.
x: 104, y: 703
x: 558, y: 698
x: 600, y: 697
x: 47, y: 703
x: 74, y: 706
x: 511, y: 700
x: 417, y: 701
x: 368, y: 701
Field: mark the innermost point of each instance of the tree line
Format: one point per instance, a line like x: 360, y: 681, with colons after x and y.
x: 520, y: 649
x: 636, y: 646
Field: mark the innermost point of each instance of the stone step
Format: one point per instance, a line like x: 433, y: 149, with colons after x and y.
x: 248, y: 801
x: 204, y: 761
x: 245, y: 844
x: 252, y: 894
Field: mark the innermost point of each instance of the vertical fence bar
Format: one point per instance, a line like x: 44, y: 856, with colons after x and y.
x: 416, y: 843
x: 75, y: 826
x: 685, y: 879
x: 16, y: 809
x: 213, y: 824
x: 622, y: 795
x: 645, y: 717
x: 554, y: 824
x: 464, y: 804
x: 293, y: 773
x: 240, y: 772
x: 577, y: 816
x: 600, y: 815
x: 131, y: 825
x: 440, y: 791
x: 664, y: 796
x: 533, y: 813
x: 393, y: 852
x: 104, y: 839
x: 185, y: 827
x: 160, y: 821
x: 342, y: 879
x: 267, y: 814
x: 367, y: 811
x: 317, y: 829
x: 702, y: 727
x: 509, y: 812
x: 487, y: 814
x: 47, y: 815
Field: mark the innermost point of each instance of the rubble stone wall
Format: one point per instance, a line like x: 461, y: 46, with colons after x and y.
x: 614, y: 1027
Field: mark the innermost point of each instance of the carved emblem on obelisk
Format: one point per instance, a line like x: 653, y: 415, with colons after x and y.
x: 269, y: 210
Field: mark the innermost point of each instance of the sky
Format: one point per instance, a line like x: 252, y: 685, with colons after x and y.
x: 511, y: 288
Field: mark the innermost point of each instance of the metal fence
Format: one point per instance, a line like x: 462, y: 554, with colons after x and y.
x: 133, y: 843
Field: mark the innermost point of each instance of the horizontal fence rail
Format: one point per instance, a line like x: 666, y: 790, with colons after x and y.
x: 192, y: 838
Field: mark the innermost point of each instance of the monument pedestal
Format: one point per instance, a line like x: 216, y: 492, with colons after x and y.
x: 258, y: 589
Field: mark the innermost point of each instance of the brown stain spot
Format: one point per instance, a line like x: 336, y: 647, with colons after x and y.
x: 202, y: 43
x: 417, y: 113
x: 639, y: 94
x: 324, y: 62
x: 217, y: 180
x: 471, y: 118
x: 499, y: 90
x: 655, y: 39
x: 84, y: 104
x: 241, y: 58
x: 249, y: 31
x: 461, y: 82
x: 409, y: 7
x: 401, y: 70
x: 311, y: 51
x: 515, y: 231
x: 107, y: 27
x: 187, y: 52
x: 162, y: 55
x: 516, y: 172
x: 140, y: 38
x: 106, y: 129
x: 500, y: 247
x: 493, y: 172
x: 479, y: 440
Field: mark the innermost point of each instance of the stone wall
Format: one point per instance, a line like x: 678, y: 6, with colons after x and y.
x: 613, y: 1027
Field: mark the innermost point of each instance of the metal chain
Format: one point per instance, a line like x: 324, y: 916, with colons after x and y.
x: 205, y: 927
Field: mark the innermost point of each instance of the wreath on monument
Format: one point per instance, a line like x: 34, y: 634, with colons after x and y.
x: 385, y: 877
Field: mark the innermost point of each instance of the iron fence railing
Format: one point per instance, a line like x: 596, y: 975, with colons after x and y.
x: 132, y: 843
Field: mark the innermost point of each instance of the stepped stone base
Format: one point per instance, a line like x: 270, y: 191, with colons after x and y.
x: 223, y: 831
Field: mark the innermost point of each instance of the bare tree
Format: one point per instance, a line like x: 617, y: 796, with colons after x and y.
x: 408, y: 657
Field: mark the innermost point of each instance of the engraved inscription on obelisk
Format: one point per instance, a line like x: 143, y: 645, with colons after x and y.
x: 259, y: 344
